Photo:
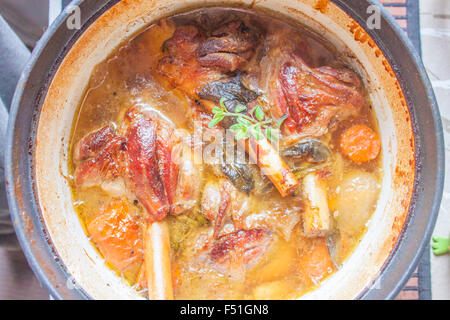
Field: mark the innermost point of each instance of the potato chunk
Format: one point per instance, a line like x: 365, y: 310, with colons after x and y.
x: 277, y: 263
x: 271, y: 291
x: 356, y: 200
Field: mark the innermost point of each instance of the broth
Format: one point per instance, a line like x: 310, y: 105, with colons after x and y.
x: 267, y: 246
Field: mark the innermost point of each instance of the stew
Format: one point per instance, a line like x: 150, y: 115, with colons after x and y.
x: 225, y: 153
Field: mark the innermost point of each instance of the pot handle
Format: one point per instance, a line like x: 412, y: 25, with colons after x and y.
x: 13, y: 57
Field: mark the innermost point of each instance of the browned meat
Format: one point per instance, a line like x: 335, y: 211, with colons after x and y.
x: 107, y: 164
x: 143, y: 157
x: 168, y: 168
x: 223, y: 203
x: 215, y: 202
x: 312, y: 97
x: 221, y: 60
x: 181, y: 66
x: 194, y: 59
x: 229, y: 47
x: 91, y: 144
x: 239, y: 249
x: 232, y: 37
x: 143, y: 167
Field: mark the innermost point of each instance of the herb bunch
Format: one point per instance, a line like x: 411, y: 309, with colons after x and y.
x: 252, y: 123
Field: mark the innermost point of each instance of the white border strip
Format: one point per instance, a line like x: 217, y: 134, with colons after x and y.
x: 54, y: 9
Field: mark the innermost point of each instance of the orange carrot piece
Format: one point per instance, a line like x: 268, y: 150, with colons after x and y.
x: 316, y: 264
x: 360, y: 144
x: 117, y: 235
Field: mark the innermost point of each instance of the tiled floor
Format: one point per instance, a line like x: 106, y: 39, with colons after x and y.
x: 435, y: 28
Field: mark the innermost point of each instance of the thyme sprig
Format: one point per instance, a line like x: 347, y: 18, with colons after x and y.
x: 253, y: 123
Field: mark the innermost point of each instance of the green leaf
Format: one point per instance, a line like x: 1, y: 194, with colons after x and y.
x: 217, y: 110
x: 219, y: 115
x: 256, y: 132
x: 259, y: 134
x: 259, y: 114
x: 240, y: 108
x: 222, y: 104
x: 217, y: 118
x: 281, y: 120
x: 241, y: 135
x: 237, y: 127
x: 244, y: 121
x: 269, y: 134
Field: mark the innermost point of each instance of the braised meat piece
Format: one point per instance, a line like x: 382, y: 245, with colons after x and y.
x: 232, y: 37
x: 195, y: 59
x: 91, y: 144
x: 105, y: 163
x: 299, y: 85
x: 313, y: 97
x: 243, y: 248
x: 229, y: 47
x: 181, y: 66
x: 144, y: 176
x: 232, y: 253
x: 143, y: 156
x: 223, y: 204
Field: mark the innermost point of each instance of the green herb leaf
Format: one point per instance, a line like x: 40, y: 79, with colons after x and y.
x: 237, y: 127
x: 243, y: 121
x: 281, y: 120
x: 269, y: 133
x: 241, y: 135
x: 222, y: 104
x: 256, y: 132
x: 252, y: 123
x: 259, y: 114
x: 240, y: 108
x: 217, y: 118
x: 216, y: 110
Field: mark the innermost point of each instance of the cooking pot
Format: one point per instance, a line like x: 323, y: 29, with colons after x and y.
x: 54, y: 81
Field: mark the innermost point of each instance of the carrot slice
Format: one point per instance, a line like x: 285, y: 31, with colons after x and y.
x: 316, y: 264
x: 360, y: 144
x: 117, y: 235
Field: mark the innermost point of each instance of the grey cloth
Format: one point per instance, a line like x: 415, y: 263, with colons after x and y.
x: 28, y: 18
